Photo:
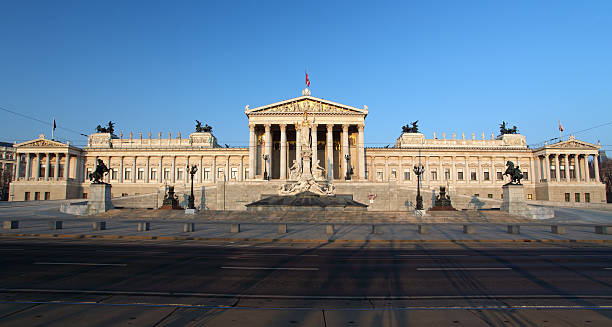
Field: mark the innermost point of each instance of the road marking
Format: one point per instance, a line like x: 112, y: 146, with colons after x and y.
x: 466, y: 268
x: 81, y: 264
x: 267, y: 268
x: 608, y: 268
x: 433, y: 256
x: 11, y: 249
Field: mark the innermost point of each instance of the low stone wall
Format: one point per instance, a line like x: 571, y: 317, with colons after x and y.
x: 142, y: 201
x: 578, y: 205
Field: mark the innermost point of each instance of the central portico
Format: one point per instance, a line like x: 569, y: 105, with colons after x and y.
x: 336, y: 133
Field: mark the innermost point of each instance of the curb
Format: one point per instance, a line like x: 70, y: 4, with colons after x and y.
x: 284, y: 240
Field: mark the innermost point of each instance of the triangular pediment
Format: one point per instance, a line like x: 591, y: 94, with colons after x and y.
x: 41, y: 142
x: 572, y: 143
x: 306, y: 103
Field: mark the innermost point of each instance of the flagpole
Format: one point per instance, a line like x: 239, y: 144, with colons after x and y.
x: 53, y: 130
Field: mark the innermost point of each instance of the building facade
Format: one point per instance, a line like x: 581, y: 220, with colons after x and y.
x: 7, y: 166
x: 470, y: 166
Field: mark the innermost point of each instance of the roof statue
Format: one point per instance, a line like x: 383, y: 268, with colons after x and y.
x: 409, y: 129
x: 109, y: 129
x: 202, y: 129
x: 504, y: 130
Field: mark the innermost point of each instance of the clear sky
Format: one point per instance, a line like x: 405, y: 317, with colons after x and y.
x: 456, y: 66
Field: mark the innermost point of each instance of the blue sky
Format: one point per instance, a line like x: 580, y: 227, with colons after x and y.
x: 456, y: 66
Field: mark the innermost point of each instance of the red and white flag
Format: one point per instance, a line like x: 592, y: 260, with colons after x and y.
x: 307, y: 80
x: 560, y: 127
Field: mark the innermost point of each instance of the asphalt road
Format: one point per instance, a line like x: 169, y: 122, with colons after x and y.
x: 419, y: 277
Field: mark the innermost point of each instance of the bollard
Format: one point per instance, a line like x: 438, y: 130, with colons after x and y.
x: 376, y: 229
x: 144, y: 226
x: 56, y: 224
x: 556, y: 229
x: 282, y: 228
x: 329, y: 229
x: 514, y: 229
x: 423, y: 229
x: 189, y: 227
x: 602, y: 229
x: 469, y: 229
x: 98, y: 225
x: 235, y: 228
x: 10, y: 224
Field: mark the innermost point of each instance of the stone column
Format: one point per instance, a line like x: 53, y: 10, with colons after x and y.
x: 108, y: 176
x: 121, y: 172
x: 28, y: 168
x: 400, y: 176
x: 17, y: 167
x: 201, y: 170
x: 37, y: 167
x: 557, y: 170
x: 56, y: 168
x: 372, y: 170
x: 532, y: 171
x: 387, y: 178
x: 186, y: 177
x: 283, y: 152
x: 454, y: 170
x: 47, y: 165
x: 577, y: 166
x: 587, y: 173
x: 467, y: 174
x: 479, y: 176
x: 160, y: 173
x: 67, y: 167
x: 345, y: 149
x: 298, y: 145
x: 596, y: 166
x: 329, y: 143
x: 361, y: 152
x: 567, y: 171
x: 547, y: 167
x: 226, y: 173
x: 214, y: 169
x: 147, y: 171
x: 441, y: 174
x: 241, y: 168
x: 252, y: 151
x: 426, y: 173
x: 134, y: 170
x: 313, y: 136
x: 173, y: 169
x: 268, y: 152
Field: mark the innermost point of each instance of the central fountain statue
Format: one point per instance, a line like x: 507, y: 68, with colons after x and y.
x: 301, y: 172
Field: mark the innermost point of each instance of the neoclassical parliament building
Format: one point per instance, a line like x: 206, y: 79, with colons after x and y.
x: 470, y: 166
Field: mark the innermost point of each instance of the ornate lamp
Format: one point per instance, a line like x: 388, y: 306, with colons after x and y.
x: 191, y: 204
x: 418, y: 170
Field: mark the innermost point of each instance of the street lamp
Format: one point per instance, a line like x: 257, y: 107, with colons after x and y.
x: 348, y: 167
x: 191, y: 204
x: 418, y: 170
x: 265, y: 158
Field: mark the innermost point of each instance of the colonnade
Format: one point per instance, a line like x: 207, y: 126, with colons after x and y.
x: 329, y: 161
x: 33, y: 162
x: 566, y: 167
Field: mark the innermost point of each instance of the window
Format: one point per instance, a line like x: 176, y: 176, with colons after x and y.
x: 529, y: 196
x: 502, y: 196
x: 434, y: 175
x: 587, y: 197
x: 473, y: 175
x: 477, y: 195
x: 140, y: 175
x: 486, y: 175
x: 234, y: 174
x: 490, y: 196
x: 47, y: 195
x: 562, y: 172
x: 220, y: 173
x: 36, y: 196
x: 553, y: 172
x: 567, y: 197
x: 379, y: 175
x: 393, y: 174
x: 447, y: 174
x: 84, y: 195
x: 577, y: 197
x: 127, y: 174
x: 166, y: 174
x: 179, y: 174
x: 206, y: 174
x: 113, y: 173
x: 460, y: 175
x: 526, y: 175
x: 246, y: 173
x: 153, y: 174
x: 61, y: 170
x: 406, y: 175
x: 26, y: 197
x: 500, y: 176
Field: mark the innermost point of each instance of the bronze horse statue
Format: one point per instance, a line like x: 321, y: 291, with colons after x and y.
x: 98, y: 174
x: 515, y: 173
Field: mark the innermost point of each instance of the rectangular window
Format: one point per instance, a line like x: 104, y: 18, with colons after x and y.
x: 61, y: 170
x: 113, y: 173
x: 220, y: 173
x: 447, y: 174
x: 526, y: 175
x: 166, y: 174
x: 36, y: 196
x: 434, y: 175
x: 47, y: 195
x: 27, y: 196
x: 393, y: 174
x: 529, y: 196
x: 127, y: 174
x: 577, y: 197
x: 477, y: 195
x: 206, y: 174
x: 153, y: 174
x: 486, y: 175
x: 179, y: 174
x: 587, y: 197
x: 140, y: 175
x: 490, y: 196
x: 567, y: 197
x: 234, y: 173
x: 406, y: 175
x: 500, y: 176
x: 460, y: 175
x: 379, y: 175
x: 473, y: 175
x: 84, y: 195
x: 553, y: 172
x: 562, y: 172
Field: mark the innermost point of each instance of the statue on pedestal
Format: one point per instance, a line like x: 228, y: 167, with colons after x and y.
x: 515, y: 173
x: 97, y: 176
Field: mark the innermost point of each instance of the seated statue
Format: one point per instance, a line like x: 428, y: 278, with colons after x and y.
x: 294, y: 171
x: 318, y: 172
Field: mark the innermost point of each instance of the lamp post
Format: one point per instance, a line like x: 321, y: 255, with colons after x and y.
x: 191, y: 204
x: 418, y: 170
x: 266, y: 176
x: 348, y: 167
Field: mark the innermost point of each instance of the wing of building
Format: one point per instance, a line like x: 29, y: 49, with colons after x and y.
x: 228, y: 178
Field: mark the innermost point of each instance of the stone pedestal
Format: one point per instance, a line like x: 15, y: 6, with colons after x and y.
x: 514, y: 200
x: 99, y: 199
